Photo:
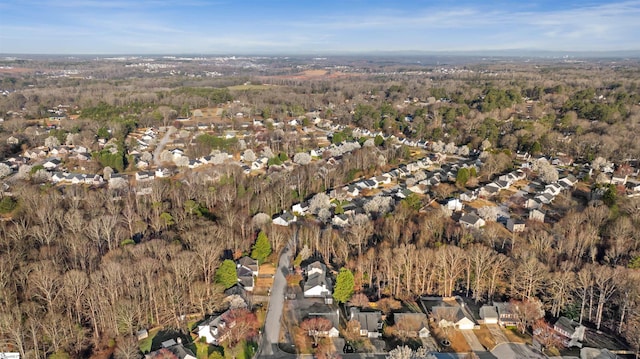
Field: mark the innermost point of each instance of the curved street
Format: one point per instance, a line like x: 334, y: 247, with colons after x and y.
x: 271, y: 335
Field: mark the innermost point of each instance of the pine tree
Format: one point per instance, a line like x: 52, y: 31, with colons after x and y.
x: 344, y: 286
x: 226, y: 274
x: 262, y: 248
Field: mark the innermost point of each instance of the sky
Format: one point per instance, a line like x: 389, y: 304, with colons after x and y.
x: 314, y: 27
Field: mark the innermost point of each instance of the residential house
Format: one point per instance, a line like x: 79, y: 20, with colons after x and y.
x: 284, y: 219
x: 315, y: 267
x: 536, y: 215
x: 572, y: 331
x: 327, y: 312
x: 451, y: 317
x: 171, y: 349
x: 545, y: 198
x: 353, y: 190
x: 403, y: 193
x: 489, y: 190
x: 11, y: 141
x: 143, y: 176
x: 382, y: 179
x: 58, y: 177
x: 619, y: 179
x: 370, y: 322
x: 469, y: 196
x: 507, y: 316
x: 553, y: 189
x: 340, y: 220
x: 245, y: 277
x: 516, y: 225
x: 412, y: 325
x: 300, y: 208
x: 251, y: 264
x: 454, y: 204
x: 163, y: 172
x: 51, y: 164
x: 533, y: 203
x: 471, y: 220
x: 633, y: 186
x: 212, y: 328
x: 489, y: 314
x: 317, y: 285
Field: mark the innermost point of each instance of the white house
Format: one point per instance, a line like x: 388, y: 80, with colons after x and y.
x: 284, y: 219
x: 317, y: 285
x: 471, y: 220
x: 454, y: 204
x: 300, y: 208
x: 489, y: 314
x: 211, y: 329
x: 451, y: 317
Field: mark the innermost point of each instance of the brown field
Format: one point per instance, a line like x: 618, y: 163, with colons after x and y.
x: 14, y: 70
x: 267, y: 268
x: 313, y: 75
x: 479, y: 203
x: 458, y: 343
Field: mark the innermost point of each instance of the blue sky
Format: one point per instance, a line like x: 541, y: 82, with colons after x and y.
x: 305, y: 26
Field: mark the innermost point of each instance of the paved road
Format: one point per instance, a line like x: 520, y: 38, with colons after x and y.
x: 161, y: 144
x: 271, y: 335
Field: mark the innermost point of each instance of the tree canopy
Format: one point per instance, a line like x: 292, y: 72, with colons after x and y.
x: 345, y: 285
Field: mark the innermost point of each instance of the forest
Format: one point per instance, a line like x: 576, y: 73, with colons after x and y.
x: 83, y: 268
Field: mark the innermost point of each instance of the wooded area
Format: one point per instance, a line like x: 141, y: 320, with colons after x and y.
x: 83, y: 269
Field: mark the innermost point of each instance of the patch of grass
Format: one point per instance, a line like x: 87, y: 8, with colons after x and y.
x: 514, y: 335
x: 145, y: 344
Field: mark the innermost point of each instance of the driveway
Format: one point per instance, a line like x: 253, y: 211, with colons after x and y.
x: 515, y: 351
x: 497, y: 334
x: 473, y: 341
x: 271, y: 335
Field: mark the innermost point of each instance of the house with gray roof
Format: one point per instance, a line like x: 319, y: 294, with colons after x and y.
x: 370, y: 322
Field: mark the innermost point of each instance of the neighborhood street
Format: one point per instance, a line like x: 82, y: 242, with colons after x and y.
x: 271, y: 335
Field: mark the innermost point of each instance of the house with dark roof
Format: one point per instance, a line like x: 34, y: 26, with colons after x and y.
x: 507, y: 316
x: 317, y: 285
x: 471, y: 220
x: 325, y: 311
x: 572, y: 331
x: 516, y: 225
x: 250, y: 263
x: 212, y: 328
x: 412, y: 325
x: 245, y: 277
x: 370, y: 322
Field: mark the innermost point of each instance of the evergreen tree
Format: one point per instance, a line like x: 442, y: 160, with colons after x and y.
x: 262, y: 248
x: 226, y: 274
x: 344, y: 286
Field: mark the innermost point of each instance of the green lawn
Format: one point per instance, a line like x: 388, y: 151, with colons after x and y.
x: 145, y: 344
